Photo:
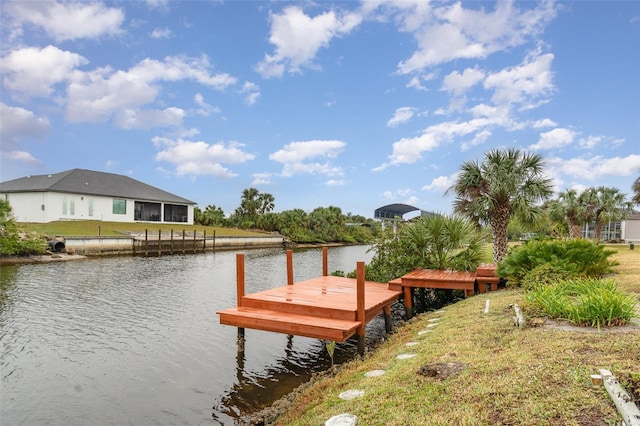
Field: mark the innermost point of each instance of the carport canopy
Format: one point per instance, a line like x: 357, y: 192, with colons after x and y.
x: 392, y: 211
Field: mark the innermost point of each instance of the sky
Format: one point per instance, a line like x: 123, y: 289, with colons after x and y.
x: 349, y: 104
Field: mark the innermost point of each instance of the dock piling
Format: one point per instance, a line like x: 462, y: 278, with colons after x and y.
x: 360, y: 273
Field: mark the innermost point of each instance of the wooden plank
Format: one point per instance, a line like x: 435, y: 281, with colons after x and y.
x: 279, y: 322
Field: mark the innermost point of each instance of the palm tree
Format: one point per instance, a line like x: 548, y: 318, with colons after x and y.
x: 568, y: 207
x: 444, y: 242
x: 604, y: 204
x: 507, y: 184
x: 636, y: 191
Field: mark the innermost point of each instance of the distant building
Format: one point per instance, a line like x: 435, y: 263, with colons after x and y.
x: 89, y: 195
x: 627, y: 230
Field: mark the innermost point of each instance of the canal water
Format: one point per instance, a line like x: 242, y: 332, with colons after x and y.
x: 136, y: 341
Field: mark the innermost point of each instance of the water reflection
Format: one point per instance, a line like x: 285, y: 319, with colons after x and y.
x: 115, y: 341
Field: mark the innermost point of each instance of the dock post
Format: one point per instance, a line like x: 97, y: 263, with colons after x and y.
x: 204, y: 242
x: 194, y: 241
x: 388, y: 323
x: 289, y: 267
x: 183, y: 236
x: 159, y: 242
x: 240, y: 295
x: 360, y: 273
x: 325, y: 261
x: 146, y: 242
x: 171, y: 243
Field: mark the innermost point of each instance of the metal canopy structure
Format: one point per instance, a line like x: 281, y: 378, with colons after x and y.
x: 393, y: 211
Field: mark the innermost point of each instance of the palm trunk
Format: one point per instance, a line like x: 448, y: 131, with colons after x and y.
x: 575, y: 230
x: 499, y: 223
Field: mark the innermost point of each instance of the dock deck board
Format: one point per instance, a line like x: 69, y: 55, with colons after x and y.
x: 324, y: 307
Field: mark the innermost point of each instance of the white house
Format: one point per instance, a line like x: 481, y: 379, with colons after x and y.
x: 89, y: 195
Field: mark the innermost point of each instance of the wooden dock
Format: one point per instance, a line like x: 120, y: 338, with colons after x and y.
x: 466, y: 281
x: 326, y: 307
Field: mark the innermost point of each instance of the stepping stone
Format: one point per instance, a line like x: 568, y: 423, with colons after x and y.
x: 420, y: 333
x: 434, y: 320
x: 432, y: 325
x: 412, y: 343
x: 441, y: 311
x: 405, y: 356
x: 342, y: 420
x: 374, y: 373
x: 351, y: 394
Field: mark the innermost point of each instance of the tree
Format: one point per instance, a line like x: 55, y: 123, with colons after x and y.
x: 211, y: 216
x: 568, y: 207
x: 604, y: 204
x: 506, y: 184
x: 636, y: 191
x: 252, y: 205
x: 444, y: 242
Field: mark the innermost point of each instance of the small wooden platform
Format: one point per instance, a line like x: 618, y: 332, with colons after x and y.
x: 433, y: 278
x: 326, y: 307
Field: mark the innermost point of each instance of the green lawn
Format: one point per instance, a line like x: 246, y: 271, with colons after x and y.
x: 95, y: 227
x: 510, y: 375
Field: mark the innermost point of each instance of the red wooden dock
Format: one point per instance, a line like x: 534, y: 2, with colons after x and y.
x: 327, y: 307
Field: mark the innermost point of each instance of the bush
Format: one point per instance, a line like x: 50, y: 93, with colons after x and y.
x: 544, y: 275
x: 15, y: 242
x: 583, y: 301
x: 574, y: 257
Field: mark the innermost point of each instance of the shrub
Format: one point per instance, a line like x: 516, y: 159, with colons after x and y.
x: 575, y: 257
x: 15, y: 242
x: 544, y: 274
x: 583, y: 301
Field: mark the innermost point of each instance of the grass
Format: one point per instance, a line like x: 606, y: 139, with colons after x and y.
x: 528, y: 376
x: 96, y: 227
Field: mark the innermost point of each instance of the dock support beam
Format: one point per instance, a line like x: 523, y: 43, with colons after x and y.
x: 325, y: 261
x: 289, y: 267
x: 360, y: 273
x: 240, y: 295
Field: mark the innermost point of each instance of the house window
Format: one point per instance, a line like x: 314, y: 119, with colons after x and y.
x: 64, y: 206
x: 149, y: 212
x: 72, y: 207
x: 175, y: 213
x: 90, y: 206
x: 119, y: 206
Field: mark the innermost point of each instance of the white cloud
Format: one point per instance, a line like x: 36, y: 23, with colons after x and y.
x: 298, y: 37
x: 440, y: 184
x: 32, y: 71
x: 161, y: 33
x: 590, y: 141
x: 457, y: 83
x: 19, y: 123
x: 296, y: 157
x: 409, y: 150
x: 525, y: 83
x: 251, y: 92
x: 67, y: 20
x: 402, y: 115
x: 466, y: 33
x: 21, y: 157
x: 200, y: 158
x: 595, y: 167
x: 148, y: 119
x: 336, y: 182
x: 261, y: 179
x: 205, y: 109
x: 546, y: 122
x: 98, y: 95
x: 556, y: 138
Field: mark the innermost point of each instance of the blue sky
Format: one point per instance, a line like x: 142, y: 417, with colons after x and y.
x: 348, y: 104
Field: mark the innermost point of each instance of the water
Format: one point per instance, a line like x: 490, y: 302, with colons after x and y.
x: 136, y: 341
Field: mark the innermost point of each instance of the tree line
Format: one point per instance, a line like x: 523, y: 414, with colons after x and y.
x: 506, y: 194
x: 321, y: 225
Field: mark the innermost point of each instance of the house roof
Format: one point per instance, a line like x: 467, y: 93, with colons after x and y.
x: 80, y: 181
